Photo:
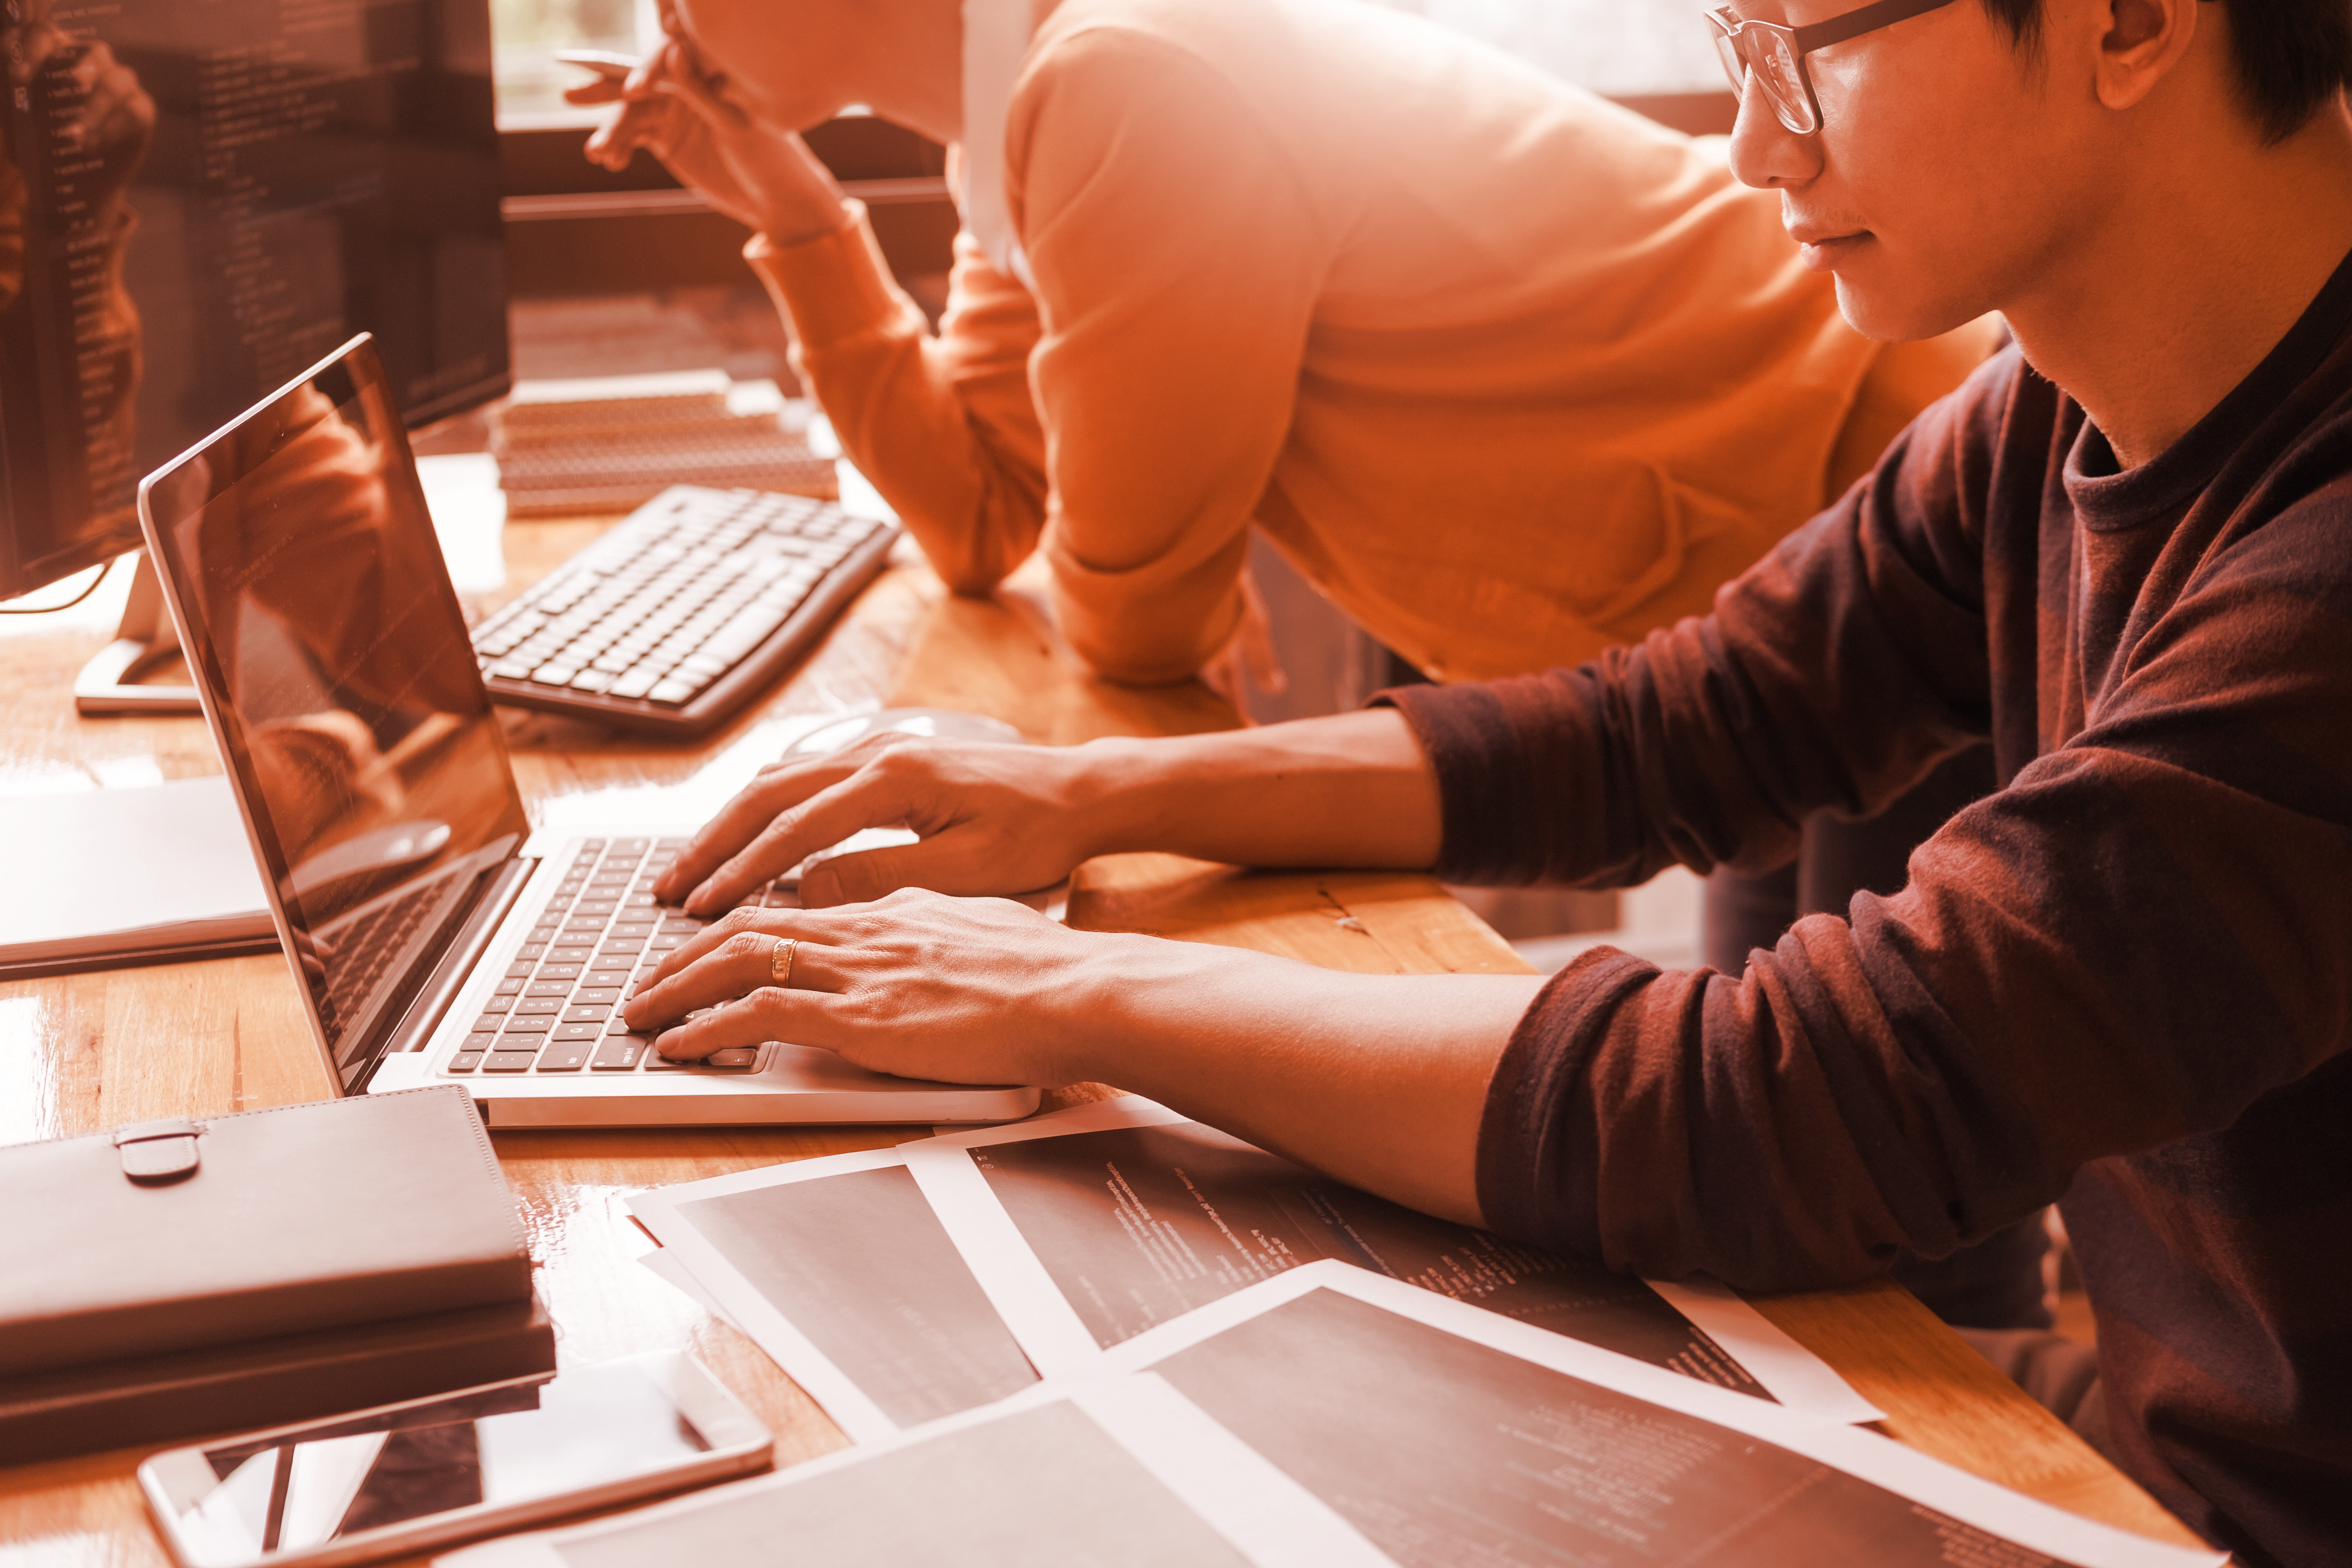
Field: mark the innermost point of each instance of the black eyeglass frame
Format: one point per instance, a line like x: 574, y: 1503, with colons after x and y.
x: 1742, y: 59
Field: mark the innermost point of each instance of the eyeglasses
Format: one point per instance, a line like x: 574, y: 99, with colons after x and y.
x: 1775, y: 55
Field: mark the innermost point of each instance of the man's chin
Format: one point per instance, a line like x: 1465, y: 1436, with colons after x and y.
x: 1885, y: 316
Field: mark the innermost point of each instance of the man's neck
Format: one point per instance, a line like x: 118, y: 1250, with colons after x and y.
x: 2195, y: 273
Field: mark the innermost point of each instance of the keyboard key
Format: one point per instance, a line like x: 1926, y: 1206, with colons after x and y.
x: 564, y: 1058
x: 550, y: 1005
x: 593, y: 681
x: 657, y: 1062
x: 518, y: 971
x: 513, y: 983
x: 488, y: 1023
x: 671, y: 691
x: 491, y: 1004
x: 509, y: 1061
x: 589, y: 1032
x: 553, y: 674
x: 733, y: 1057
x: 532, y: 1024
x: 531, y: 951
x: 597, y: 996
x: 619, y: 1053
x: 586, y: 1014
x: 636, y: 683
x: 481, y: 1040
x: 570, y: 954
x: 549, y: 988
x: 559, y: 970
x: 465, y: 1061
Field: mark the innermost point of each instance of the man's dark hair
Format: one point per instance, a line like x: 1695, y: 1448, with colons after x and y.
x: 2292, y: 56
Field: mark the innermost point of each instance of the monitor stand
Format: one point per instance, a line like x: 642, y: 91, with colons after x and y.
x: 145, y: 641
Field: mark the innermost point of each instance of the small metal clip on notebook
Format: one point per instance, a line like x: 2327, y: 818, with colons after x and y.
x: 154, y: 1152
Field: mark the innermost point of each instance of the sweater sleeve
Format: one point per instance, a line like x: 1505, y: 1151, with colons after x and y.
x: 2139, y: 936
x: 1178, y: 263
x: 944, y: 426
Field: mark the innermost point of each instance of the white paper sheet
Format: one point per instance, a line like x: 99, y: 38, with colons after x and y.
x: 882, y: 1504
x: 665, y: 1266
x: 723, y: 1271
x: 1863, y: 1455
x: 1060, y: 1341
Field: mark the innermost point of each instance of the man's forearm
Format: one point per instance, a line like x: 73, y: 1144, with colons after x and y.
x: 1350, y: 790
x: 1379, y: 1081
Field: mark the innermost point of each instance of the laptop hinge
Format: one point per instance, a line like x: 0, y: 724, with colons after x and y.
x: 473, y: 939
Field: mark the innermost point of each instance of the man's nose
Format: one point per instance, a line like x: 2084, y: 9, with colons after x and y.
x: 1766, y: 153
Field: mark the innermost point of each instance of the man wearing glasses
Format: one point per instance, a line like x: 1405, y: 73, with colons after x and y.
x: 2122, y: 552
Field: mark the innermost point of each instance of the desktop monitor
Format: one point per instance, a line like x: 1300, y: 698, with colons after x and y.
x: 199, y: 199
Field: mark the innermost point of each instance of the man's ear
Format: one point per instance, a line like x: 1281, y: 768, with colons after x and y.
x: 2143, y: 41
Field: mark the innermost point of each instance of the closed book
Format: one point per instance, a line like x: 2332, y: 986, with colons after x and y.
x: 192, y: 1235
x: 267, y: 1383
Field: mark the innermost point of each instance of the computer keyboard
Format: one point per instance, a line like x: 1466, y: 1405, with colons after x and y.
x: 684, y: 612
x: 558, y: 1006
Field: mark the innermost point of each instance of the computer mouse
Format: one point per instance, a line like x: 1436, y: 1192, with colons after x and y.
x: 945, y: 723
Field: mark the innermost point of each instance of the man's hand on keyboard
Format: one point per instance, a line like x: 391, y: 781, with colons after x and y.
x: 969, y: 990
x: 992, y: 819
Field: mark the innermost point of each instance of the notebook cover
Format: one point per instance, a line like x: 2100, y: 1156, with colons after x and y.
x: 299, y: 1218
x: 243, y: 1387
x: 157, y: 874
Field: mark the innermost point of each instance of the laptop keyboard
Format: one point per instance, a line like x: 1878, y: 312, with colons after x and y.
x: 659, y: 610
x: 558, y: 1006
x: 365, y: 949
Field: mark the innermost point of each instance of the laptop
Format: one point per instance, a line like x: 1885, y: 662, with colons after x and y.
x: 437, y: 938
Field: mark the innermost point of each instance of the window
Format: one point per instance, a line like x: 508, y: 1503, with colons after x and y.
x: 528, y: 33
x: 1618, y: 47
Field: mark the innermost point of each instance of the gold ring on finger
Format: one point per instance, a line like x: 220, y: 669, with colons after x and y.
x: 780, y: 960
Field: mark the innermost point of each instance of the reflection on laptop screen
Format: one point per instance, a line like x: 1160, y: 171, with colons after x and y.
x: 322, y: 630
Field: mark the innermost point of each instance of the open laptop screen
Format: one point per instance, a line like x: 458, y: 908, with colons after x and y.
x: 334, y: 665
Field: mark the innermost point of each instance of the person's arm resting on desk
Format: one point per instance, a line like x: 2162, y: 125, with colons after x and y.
x: 1377, y: 1079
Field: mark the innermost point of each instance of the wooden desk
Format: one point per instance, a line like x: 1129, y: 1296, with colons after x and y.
x: 84, y: 1052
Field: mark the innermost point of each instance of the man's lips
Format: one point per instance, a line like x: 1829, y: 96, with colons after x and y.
x: 1824, y: 249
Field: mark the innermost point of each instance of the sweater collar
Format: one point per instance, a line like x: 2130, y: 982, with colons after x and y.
x: 2106, y: 496
x: 995, y: 38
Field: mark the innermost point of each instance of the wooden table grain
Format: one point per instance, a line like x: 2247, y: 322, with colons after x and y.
x: 84, y: 1052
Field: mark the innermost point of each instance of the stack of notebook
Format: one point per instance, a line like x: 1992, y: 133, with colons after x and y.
x: 612, y: 443
x: 173, y: 1277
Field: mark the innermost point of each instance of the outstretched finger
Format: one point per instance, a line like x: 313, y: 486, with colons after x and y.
x: 795, y: 1017
x: 747, y: 962
x: 869, y: 797
x: 639, y: 124
x: 743, y: 819
x: 602, y: 90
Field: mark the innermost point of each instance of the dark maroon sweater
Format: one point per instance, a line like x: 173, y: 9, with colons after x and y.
x: 2124, y: 979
